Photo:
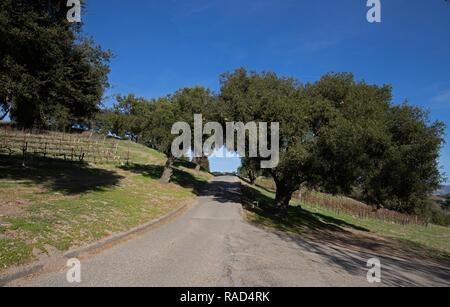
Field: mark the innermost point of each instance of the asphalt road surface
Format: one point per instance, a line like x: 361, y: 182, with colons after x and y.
x: 211, y: 244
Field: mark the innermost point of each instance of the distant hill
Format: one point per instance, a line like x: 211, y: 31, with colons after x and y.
x: 444, y: 190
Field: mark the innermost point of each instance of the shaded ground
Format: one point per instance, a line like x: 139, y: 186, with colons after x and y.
x: 56, y: 175
x: 211, y: 244
x: 183, y: 174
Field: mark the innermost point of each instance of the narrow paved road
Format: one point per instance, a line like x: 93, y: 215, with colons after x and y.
x: 211, y: 245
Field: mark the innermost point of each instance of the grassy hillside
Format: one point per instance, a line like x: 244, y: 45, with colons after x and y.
x: 321, y: 222
x: 436, y: 213
x: 52, y: 204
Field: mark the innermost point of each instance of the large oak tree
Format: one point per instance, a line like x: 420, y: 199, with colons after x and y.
x: 335, y: 134
x: 51, y: 73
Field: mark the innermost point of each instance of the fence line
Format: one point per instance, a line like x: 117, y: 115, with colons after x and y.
x: 61, y: 145
x: 340, y: 205
x: 344, y: 205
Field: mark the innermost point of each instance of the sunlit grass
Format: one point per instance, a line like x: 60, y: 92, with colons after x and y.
x: 71, y: 205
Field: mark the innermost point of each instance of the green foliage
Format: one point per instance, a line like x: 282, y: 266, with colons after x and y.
x: 127, y: 118
x: 159, y: 126
x: 338, y: 133
x: 435, y: 211
x: 408, y: 172
x: 149, y: 122
x: 446, y: 204
x: 50, y: 72
x: 324, y: 127
x: 438, y: 217
x: 196, y: 100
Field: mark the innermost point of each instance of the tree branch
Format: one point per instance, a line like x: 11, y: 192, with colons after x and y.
x: 4, y: 115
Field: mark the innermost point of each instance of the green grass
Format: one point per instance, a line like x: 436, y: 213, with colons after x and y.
x: 90, y: 216
x: 14, y: 252
x: 433, y: 236
x: 139, y: 153
x: 73, y: 204
x: 313, y: 217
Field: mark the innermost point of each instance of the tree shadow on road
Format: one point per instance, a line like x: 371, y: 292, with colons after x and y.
x: 349, y: 249
x: 399, y: 266
x: 223, y: 191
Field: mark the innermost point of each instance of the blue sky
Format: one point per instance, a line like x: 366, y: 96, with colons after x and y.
x: 161, y: 46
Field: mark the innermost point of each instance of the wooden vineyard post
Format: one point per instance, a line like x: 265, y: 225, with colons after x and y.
x: 24, y: 153
x: 4, y: 141
x: 88, y: 149
x: 93, y: 151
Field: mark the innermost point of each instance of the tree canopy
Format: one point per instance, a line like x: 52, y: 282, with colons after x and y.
x: 337, y: 134
x: 150, y: 122
x: 127, y: 118
x: 51, y: 73
x: 408, y: 171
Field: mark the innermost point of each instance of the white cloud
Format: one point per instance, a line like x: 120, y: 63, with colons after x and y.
x: 443, y: 97
x: 318, y: 45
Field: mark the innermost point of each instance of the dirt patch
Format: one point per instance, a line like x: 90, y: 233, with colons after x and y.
x: 12, y: 205
x: 15, y: 201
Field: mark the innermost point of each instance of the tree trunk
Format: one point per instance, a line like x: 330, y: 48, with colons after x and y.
x: 165, y: 178
x: 284, y: 195
x: 198, y: 163
x: 282, y: 200
x: 252, y: 178
x: 4, y: 115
